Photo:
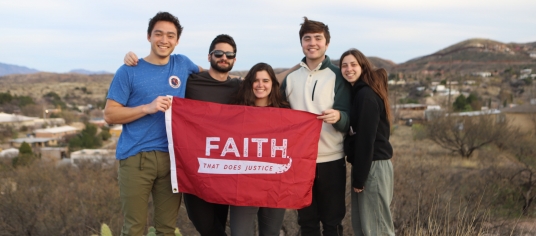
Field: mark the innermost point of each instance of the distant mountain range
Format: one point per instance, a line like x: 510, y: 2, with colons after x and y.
x: 6, y: 69
x: 87, y: 72
x: 472, y: 55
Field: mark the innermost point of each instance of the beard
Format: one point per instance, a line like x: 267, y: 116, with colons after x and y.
x: 218, y: 68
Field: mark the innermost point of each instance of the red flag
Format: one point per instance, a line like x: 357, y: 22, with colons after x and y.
x: 242, y: 155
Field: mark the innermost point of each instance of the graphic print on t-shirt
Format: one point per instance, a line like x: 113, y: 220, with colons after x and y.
x: 174, y: 81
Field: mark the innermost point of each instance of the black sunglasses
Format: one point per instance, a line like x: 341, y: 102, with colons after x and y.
x: 219, y: 53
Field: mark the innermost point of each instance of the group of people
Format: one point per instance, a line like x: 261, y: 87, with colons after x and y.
x: 350, y: 99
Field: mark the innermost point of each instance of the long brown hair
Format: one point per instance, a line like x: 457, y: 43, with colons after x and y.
x: 245, y: 95
x: 375, y: 78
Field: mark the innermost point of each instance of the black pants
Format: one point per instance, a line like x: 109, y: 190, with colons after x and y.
x: 328, y: 205
x: 208, y: 218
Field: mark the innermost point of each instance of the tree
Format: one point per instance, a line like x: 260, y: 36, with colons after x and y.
x: 25, y: 148
x: 5, y: 98
x: 460, y: 104
x: 25, y: 157
x: 88, y: 138
x: 105, y: 133
x: 464, y: 135
x: 55, y: 99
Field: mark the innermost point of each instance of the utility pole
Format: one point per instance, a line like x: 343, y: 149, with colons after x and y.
x: 395, y: 117
x: 449, y: 105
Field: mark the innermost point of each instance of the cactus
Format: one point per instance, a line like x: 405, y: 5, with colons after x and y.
x: 151, y: 231
x: 105, y: 230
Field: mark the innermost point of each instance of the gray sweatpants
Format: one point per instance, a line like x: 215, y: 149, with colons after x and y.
x: 371, y: 215
x: 243, y: 218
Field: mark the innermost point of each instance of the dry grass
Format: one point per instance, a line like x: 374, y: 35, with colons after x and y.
x: 439, y: 193
x: 436, y: 193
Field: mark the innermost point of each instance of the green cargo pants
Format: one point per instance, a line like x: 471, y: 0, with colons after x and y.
x: 371, y: 215
x: 140, y: 175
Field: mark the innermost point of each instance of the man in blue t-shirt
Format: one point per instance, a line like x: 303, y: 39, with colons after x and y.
x: 137, y: 99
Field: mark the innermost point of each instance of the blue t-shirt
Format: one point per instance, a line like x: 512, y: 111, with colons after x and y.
x: 139, y: 85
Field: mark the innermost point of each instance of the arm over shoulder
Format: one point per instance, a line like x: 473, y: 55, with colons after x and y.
x: 342, y: 103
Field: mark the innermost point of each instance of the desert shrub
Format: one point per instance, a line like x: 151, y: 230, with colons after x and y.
x: 465, y: 134
x: 431, y: 200
x: 25, y: 157
x: 519, y: 174
x: 419, y: 131
x: 435, y: 194
x: 105, y: 133
x: 50, y: 200
x: 25, y: 148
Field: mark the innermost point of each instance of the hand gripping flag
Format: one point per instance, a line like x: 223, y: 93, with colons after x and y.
x: 241, y: 155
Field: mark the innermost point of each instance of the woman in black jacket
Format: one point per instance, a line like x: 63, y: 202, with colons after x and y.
x: 367, y: 146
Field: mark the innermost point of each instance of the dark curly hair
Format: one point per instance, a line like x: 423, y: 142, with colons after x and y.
x: 222, y: 38
x: 165, y: 16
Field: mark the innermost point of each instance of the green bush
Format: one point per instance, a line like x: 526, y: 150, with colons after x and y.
x: 419, y: 131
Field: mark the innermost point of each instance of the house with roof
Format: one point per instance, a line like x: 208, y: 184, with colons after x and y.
x: 482, y: 74
x: 53, y: 153
x: 16, y: 121
x: 57, y: 133
x: 44, y: 147
x: 33, y: 142
x: 414, y: 112
x: 99, y: 122
x: 116, y: 130
x: 104, y: 156
x: 522, y: 116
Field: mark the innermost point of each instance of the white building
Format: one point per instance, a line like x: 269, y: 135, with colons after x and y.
x: 56, y: 132
x: 103, y: 156
x: 482, y: 74
x: 9, y: 153
x: 525, y: 71
x: 16, y: 121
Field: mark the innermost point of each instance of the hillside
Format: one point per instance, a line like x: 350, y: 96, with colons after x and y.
x: 88, y: 72
x: 74, y: 88
x: 6, y: 69
x: 376, y: 61
x: 473, y: 55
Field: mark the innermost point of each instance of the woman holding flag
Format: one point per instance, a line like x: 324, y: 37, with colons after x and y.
x: 261, y: 89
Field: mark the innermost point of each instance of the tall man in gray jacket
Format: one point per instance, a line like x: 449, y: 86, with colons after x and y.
x: 317, y: 86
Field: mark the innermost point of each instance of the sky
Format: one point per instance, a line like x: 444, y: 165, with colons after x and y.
x: 62, y: 35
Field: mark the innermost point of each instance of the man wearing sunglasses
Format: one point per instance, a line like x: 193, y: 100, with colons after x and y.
x: 214, y: 85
